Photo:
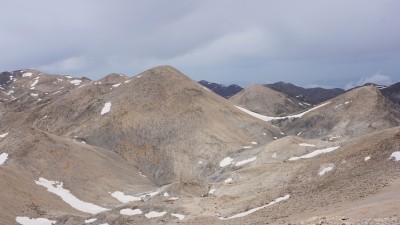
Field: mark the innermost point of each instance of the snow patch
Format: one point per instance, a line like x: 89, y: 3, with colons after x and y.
x: 280, y: 199
x: 306, y: 145
x: 395, y: 155
x: 34, y: 95
x: 247, y: 147
x: 75, y: 82
x: 90, y: 220
x: 315, y: 153
x: 226, y: 161
x: 26, y: 74
x: 367, y: 158
x: 56, y: 188
x: 269, y: 118
x: 124, y: 198
x: 38, y: 221
x: 3, y: 158
x: 116, y: 85
x: 3, y: 135
x: 274, y: 155
x: 130, y: 212
x: 253, y: 143
x: 154, y: 214
x: 106, y: 108
x: 246, y: 161
x: 212, y: 191
x: 229, y: 180
x: 127, y: 81
x: 166, y: 194
x: 173, y: 198
x: 179, y: 216
x: 325, y: 170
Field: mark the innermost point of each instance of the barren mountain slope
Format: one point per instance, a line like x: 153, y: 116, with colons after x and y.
x: 161, y: 121
x: 88, y: 172
x: 360, y: 111
x: 263, y: 100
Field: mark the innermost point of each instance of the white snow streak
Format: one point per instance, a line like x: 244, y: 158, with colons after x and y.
x: 395, y: 155
x: 27, y: 75
x: 116, y: 85
x: 130, y: 212
x: 306, y: 145
x: 38, y: 221
x: 3, y: 135
x: 212, y: 191
x: 3, y: 158
x: 34, y: 82
x: 315, y: 153
x: 56, y: 188
x: 246, y: 161
x: 179, y: 216
x: 154, y: 214
x: 325, y: 170
x: 367, y: 158
x: 286, y: 197
x: 225, y: 162
x: 269, y: 118
x: 106, y: 108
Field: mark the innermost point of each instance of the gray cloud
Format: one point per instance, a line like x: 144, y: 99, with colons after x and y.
x: 330, y: 43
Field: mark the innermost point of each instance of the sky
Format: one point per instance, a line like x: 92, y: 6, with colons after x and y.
x: 328, y: 43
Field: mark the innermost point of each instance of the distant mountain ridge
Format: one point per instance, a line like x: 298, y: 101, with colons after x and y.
x: 310, y: 95
x: 222, y: 90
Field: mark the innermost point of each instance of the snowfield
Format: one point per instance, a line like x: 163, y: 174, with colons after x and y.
x: 90, y: 220
x: 226, y: 161
x: 179, y: 216
x: 75, y: 82
x: 269, y: 118
x: 3, y: 158
x: 124, y: 198
x: 395, y: 156
x: 37, y: 221
x: 315, y: 153
x: 246, y: 161
x: 306, y: 145
x: 106, y: 108
x: 56, y: 188
x: 154, y: 214
x: 325, y: 170
x: 27, y: 75
x: 130, y: 212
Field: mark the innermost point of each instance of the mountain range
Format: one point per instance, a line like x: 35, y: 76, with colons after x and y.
x: 160, y: 148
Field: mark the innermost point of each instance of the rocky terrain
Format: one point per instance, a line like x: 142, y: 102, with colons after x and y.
x: 159, y: 148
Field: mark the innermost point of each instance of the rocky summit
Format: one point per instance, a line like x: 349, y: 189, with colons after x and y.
x: 160, y: 148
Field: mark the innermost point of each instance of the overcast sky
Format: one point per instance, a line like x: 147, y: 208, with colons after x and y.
x: 331, y: 43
